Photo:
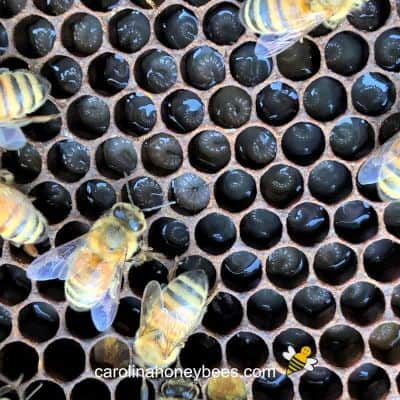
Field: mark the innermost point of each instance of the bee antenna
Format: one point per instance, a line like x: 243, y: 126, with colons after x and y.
x: 170, y: 203
x: 34, y: 391
x: 128, y: 191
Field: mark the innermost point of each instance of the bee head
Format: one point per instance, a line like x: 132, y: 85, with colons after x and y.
x: 130, y: 215
x: 306, y: 351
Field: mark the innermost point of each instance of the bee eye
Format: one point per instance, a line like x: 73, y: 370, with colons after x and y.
x: 135, y: 224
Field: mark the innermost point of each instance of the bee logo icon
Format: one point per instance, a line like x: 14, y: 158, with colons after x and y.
x: 299, y: 361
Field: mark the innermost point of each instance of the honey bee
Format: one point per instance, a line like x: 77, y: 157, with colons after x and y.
x: 226, y: 388
x: 281, y: 23
x: 383, y: 169
x: 168, y: 317
x: 15, y: 387
x: 179, y: 389
x: 21, y: 93
x: 93, y: 264
x: 299, y: 361
x: 20, y: 222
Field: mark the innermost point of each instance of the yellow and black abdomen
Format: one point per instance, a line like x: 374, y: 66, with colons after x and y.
x: 295, y: 364
x: 20, y: 222
x: 21, y: 92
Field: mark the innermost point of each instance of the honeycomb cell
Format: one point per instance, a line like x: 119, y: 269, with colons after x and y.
x: 102, y: 5
x: 246, y: 350
x: 330, y: 181
x: 247, y: 67
x: 129, y: 388
x: 53, y: 200
x: 297, y: 338
x: 15, y: 286
x: 88, y: 117
x: 303, y: 143
x: 373, y: 94
x: 356, y: 221
x: 34, y: 36
x: 387, y: 53
x: 10, y: 8
x: 129, y: 30
x: 80, y: 324
x: 362, y: 303
x: 5, y: 323
x: 235, y: 190
x: 277, y: 104
x: 271, y: 388
x: 48, y: 390
x: 139, y: 276
x: 241, y: 271
x: 116, y: 157
x: 52, y: 289
x: 222, y: 24
x: 190, y: 192
x: 90, y: 389
x: 300, y: 61
x: 321, y: 383
x: 18, y: 358
x: 281, y: 185
x: 335, y: 263
x: 203, y: 67
x: 162, y: 154
x: 346, y: 53
x: 38, y: 321
x: 385, y: 344
x: 82, y: 34
x: 255, y: 147
x: 261, y: 229
x: 169, y: 236
x: 230, y: 107
x: 176, y: 27
x: 209, y: 151
x: 64, y: 359
x: 68, y: 160
x: 182, y: 111
x: 224, y: 313
x: 390, y: 126
x: 108, y: 74
x: 70, y: 231
x: 201, y: 350
x: 395, y: 300
x: 341, y: 345
x: 368, y: 382
x: 215, y: 233
x: 325, y: 99
x: 370, y: 16
x: 53, y: 7
x: 196, y: 262
x: 109, y: 352
x: 25, y: 164
x: 145, y: 192
x: 287, y: 267
x: 308, y: 223
x: 380, y: 260
x: 314, y: 306
x: 352, y: 138
x: 156, y: 71
x: 65, y: 76
x: 127, y: 321
x: 135, y: 114
x: 267, y: 309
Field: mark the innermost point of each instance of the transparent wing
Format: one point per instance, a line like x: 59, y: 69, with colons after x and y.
x: 105, y: 311
x: 287, y: 355
x: 152, y: 296
x: 12, y: 137
x: 54, y: 263
x: 309, y: 366
x: 370, y: 171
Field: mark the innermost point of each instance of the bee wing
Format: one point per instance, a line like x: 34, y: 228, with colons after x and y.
x: 12, y: 137
x: 54, y: 263
x: 370, y: 171
x: 151, y: 296
x: 105, y: 311
x: 287, y: 355
x: 271, y: 44
x: 309, y: 366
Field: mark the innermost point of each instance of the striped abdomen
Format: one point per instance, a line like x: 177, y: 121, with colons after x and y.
x: 21, y: 93
x: 20, y: 222
x: 295, y: 364
x: 389, y: 177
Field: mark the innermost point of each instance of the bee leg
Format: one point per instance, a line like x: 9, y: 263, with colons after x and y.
x: 144, y: 256
x: 6, y: 177
x: 172, y: 271
x: 34, y: 119
x: 31, y: 250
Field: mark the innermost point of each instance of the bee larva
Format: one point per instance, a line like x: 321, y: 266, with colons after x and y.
x: 283, y: 22
x: 168, y: 317
x: 21, y: 93
x: 20, y: 222
x: 226, y: 387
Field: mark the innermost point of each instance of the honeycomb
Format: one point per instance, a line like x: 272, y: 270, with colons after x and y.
x: 261, y: 158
